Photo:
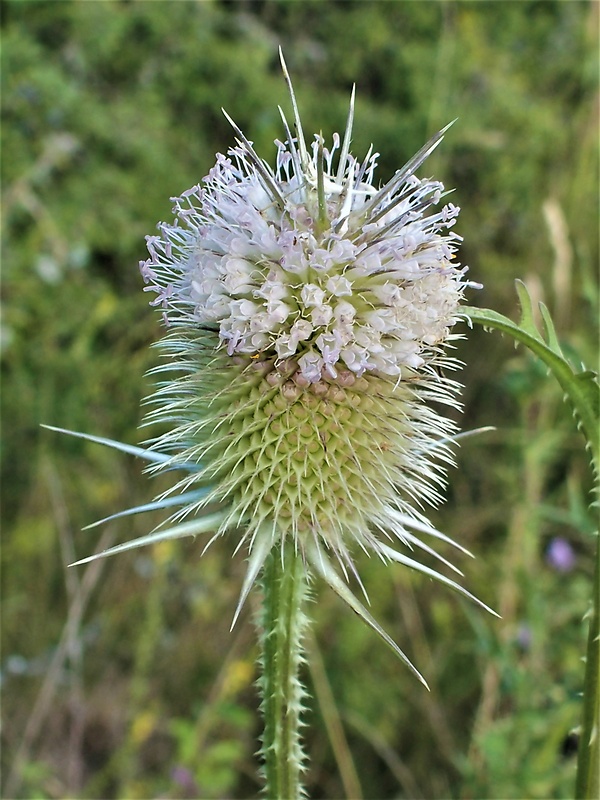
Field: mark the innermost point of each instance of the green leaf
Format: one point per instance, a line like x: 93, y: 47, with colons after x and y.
x: 581, y: 388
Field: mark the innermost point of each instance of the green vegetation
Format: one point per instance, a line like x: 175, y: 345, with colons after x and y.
x: 121, y: 679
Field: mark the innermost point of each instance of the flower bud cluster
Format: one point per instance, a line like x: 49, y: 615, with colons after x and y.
x: 369, y: 286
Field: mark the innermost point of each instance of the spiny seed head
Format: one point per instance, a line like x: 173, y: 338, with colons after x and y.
x: 308, y: 313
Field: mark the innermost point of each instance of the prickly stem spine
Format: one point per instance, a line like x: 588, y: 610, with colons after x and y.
x: 282, y: 623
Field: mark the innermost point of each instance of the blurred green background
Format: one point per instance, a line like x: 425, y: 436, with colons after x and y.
x: 121, y: 679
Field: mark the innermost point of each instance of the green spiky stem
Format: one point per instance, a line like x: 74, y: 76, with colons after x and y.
x: 582, y: 391
x: 588, y: 763
x: 283, y: 623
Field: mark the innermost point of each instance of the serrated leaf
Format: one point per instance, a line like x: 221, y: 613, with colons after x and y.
x: 527, y: 321
x: 581, y: 388
x: 550, y: 331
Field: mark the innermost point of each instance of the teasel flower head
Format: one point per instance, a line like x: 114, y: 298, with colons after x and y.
x: 309, y: 314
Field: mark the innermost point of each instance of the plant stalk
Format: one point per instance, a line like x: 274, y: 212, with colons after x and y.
x: 581, y: 387
x: 587, y: 786
x: 283, y: 623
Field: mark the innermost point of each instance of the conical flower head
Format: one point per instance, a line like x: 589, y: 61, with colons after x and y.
x: 308, y: 313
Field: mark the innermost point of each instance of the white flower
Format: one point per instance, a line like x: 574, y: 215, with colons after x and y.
x: 308, y: 311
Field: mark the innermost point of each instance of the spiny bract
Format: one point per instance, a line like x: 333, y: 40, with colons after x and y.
x: 308, y: 312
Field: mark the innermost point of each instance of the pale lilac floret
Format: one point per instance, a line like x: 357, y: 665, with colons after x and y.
x: 358, y: 277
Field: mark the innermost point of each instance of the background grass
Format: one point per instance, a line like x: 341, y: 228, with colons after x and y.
x: 121, y: 679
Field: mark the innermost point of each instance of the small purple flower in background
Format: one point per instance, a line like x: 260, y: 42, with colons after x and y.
x: 184, y: 779
x: 524, y: 636
x: 560, y: 555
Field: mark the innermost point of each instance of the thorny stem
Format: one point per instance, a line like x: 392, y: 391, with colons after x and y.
x: 581, y: 388
x: 283, y: 622
x: 588, y: 763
